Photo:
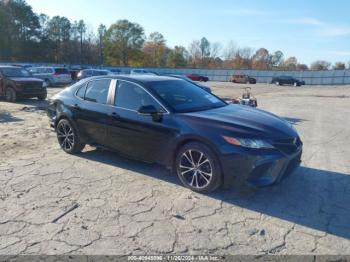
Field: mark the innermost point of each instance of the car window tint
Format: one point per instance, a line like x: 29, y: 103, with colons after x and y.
x: 131, y: 96
x: 97, y: 91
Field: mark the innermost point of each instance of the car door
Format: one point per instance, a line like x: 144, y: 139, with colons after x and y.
x: 136, y: 135
x: 92, y: 110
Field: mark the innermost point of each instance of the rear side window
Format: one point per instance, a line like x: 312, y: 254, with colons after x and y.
x: 97, y: 91
x: 61, y: 71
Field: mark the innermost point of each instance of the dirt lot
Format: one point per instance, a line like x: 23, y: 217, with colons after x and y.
x: 126, y: 207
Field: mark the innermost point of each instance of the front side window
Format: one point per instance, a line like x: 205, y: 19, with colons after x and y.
x: 132, y: 97
x: 97, y: 91
x: 183, y: 96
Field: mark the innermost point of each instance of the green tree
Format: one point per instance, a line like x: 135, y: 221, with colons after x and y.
x: 101, y: 34
x: 123, y: 43
x: 277, y: 59
x: 177, y: 57
x: 155, y: 50
x: 19, y: 28
x: 59, y: 31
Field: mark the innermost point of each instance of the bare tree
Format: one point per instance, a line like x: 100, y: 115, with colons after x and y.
x: 320, y: 65
x: 339, y: 66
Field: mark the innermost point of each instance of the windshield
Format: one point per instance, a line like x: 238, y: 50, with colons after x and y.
x: 15, y: 72
x: 183, y: 96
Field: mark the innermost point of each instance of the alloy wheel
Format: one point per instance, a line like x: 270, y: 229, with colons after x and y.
x: 196, y: 169
x: 65, y: 135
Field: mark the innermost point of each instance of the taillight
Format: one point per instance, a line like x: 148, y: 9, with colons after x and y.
x: 56, y: 74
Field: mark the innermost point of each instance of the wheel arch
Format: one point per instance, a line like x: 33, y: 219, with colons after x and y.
x: 191, y: 139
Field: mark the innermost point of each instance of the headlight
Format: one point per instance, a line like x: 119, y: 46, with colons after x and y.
x: 247, y: 142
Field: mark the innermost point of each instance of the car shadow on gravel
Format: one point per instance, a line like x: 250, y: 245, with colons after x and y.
x: 6, y: 117
x: 311, y: 198
x: 294, y: 121
x: 43, y: 104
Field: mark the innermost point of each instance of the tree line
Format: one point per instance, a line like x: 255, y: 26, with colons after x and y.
x: 27, y: 36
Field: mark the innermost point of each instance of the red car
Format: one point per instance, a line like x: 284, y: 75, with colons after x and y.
x: 195, y: 77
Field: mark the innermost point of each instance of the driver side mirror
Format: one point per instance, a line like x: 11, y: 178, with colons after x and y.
x: 150, y: 111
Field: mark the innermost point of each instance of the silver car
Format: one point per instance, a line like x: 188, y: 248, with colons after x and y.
x: 53, y: 76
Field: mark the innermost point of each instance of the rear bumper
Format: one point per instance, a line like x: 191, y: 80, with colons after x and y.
x: 258, y: 168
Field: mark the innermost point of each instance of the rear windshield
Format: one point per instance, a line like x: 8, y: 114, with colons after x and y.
x: 61, y: 71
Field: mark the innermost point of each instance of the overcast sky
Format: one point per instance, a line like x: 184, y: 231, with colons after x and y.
x: 309, y: 30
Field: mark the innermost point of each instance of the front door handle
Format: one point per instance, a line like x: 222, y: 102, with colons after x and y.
x: 115, y: 115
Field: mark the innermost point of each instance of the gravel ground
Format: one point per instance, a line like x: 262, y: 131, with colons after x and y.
x: 127, y: 207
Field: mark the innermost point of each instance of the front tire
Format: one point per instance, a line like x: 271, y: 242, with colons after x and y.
x: 10, y: 95
x: 68, y: 137
x: 47, y: 82
x: 198, y: 168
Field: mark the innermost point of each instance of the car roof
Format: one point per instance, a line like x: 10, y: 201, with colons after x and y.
x: 139, y: 79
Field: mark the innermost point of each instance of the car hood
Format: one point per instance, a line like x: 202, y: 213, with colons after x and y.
x: 245, y: 121
x: 25, y: 79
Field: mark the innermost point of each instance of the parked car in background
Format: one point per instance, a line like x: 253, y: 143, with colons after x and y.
x: 92, y: 72
x: 115, y: 71
x: 242, y: 79
x: 74, y: 73
x: 53, y: 76
x: 142, y: 72
x: 199, y: 78
x: 17, y: 82
x: 173, y: 122
x: 206, y: 88
x: 287, y: 80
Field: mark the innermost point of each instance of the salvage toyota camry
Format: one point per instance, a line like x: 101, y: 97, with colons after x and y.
x: 175, y: 123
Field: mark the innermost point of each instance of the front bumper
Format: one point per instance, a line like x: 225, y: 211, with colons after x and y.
x: 31, y: 92
x: 258, y: 168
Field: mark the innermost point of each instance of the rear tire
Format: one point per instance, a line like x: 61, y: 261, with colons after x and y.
x: 10, y: 95
x: 42, y: 97
x: 198, y: 168
x: 68, y: 137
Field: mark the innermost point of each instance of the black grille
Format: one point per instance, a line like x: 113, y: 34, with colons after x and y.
x: 32, y: 86
x: 288, y: 146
